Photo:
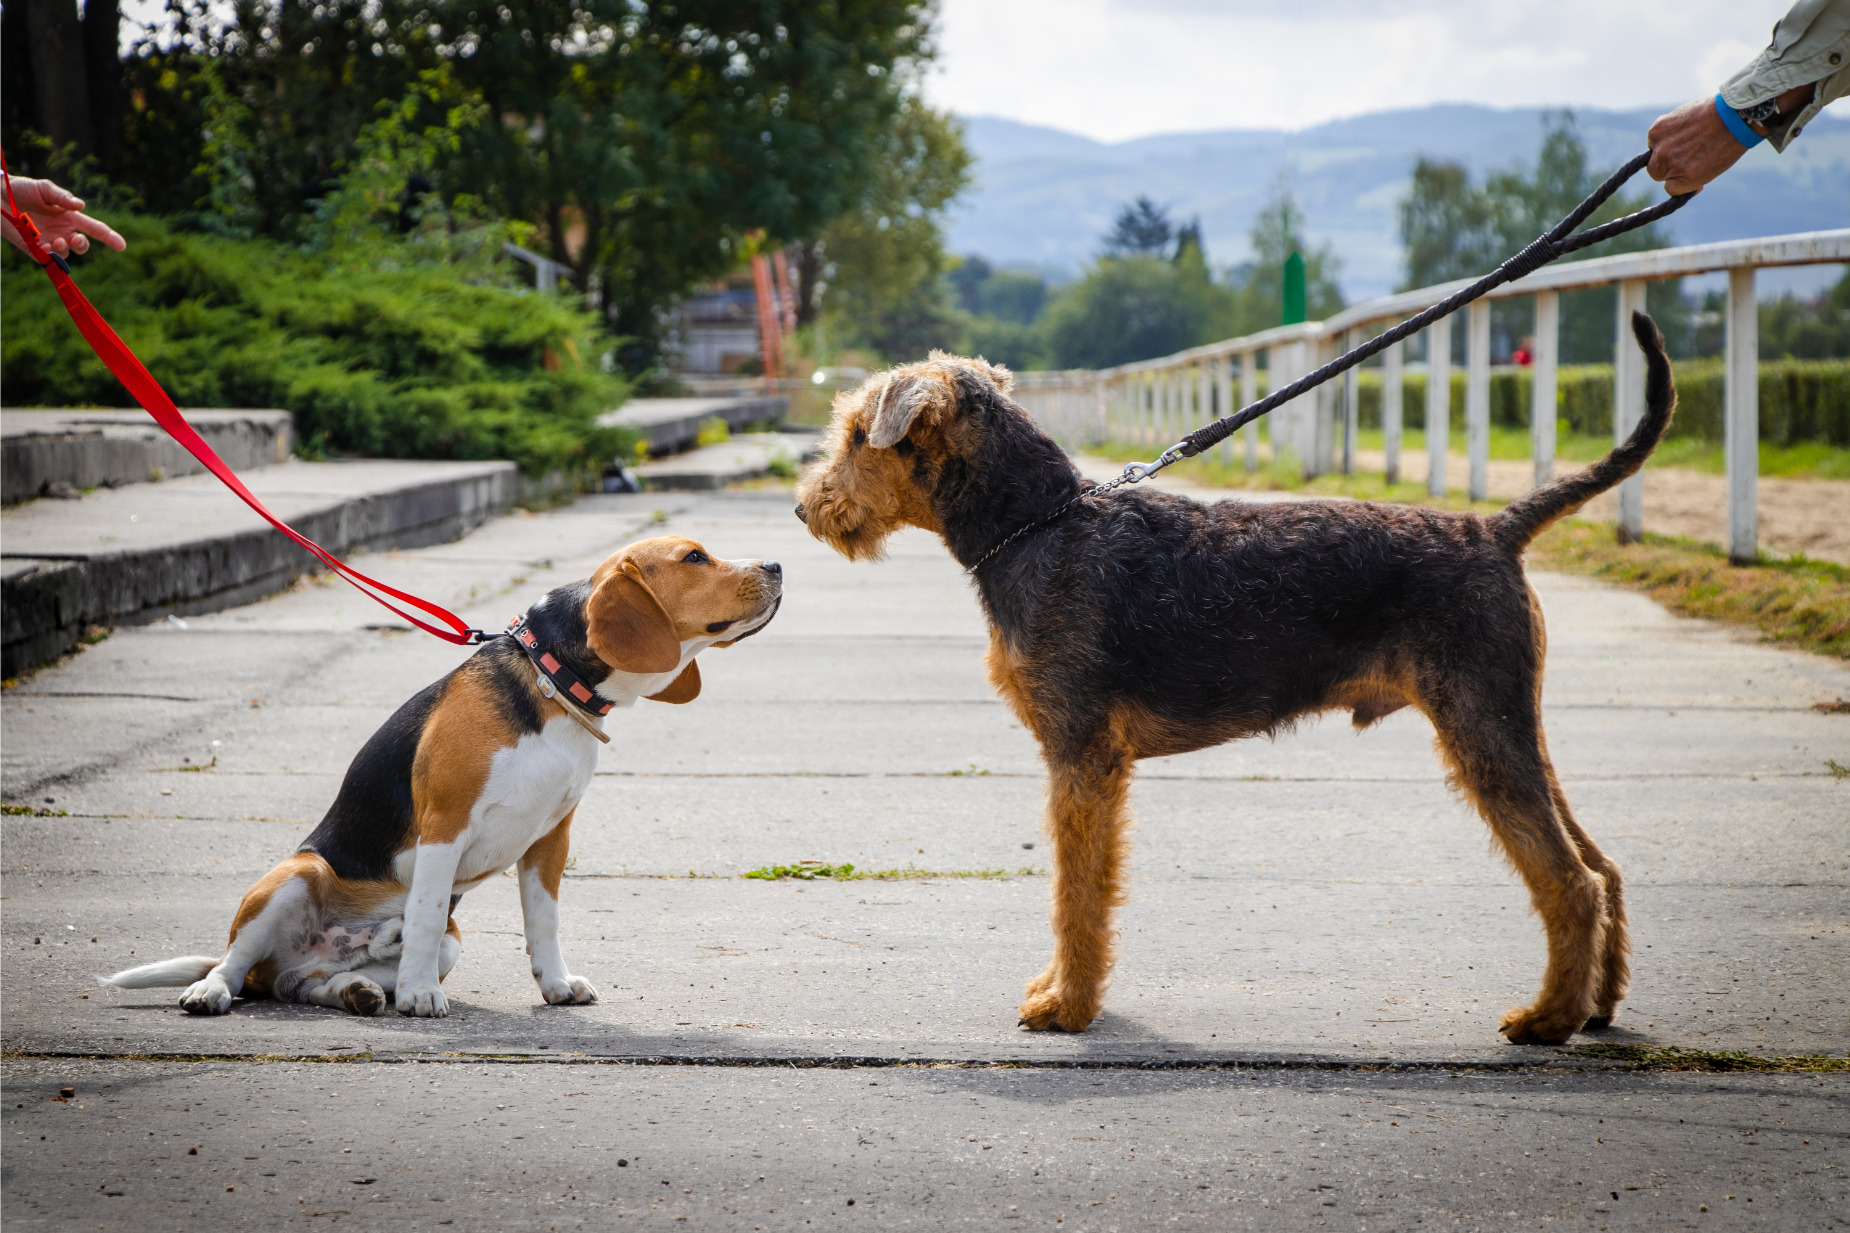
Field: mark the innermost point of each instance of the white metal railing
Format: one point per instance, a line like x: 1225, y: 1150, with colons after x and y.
x: 1156, y: 402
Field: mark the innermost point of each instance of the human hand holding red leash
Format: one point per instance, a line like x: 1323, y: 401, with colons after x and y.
x: 63, y: 226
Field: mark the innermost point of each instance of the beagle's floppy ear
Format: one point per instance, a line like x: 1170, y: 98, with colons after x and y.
x: 685, y: 689
x: 626, y: 625
x: 901, y: 399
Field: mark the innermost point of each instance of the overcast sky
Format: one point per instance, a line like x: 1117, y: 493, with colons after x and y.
x: 1114, y: 69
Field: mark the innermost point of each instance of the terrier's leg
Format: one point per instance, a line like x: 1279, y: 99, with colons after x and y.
x: 1495, y: 752
x: 1085, y: 822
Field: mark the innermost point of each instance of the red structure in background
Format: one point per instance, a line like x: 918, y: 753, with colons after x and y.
x: 786, y: 293
x: 770, y: 333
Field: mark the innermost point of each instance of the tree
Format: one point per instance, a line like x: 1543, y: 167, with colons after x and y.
x: 1142, y: 229
x: 644, y: 143
x: 1136, y: 308
x: 1257, y: 284
x: 1453, y: 229
x: 876, y: 270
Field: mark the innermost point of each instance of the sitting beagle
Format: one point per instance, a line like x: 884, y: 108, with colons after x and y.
x: 478, y: 772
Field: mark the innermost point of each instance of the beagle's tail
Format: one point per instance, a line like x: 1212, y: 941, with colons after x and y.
x: 1523, y: 519
x: 182, y: 971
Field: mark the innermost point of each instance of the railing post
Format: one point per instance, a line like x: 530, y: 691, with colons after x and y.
x: 1741, y: 416
x: 1249, y: 394
x: 1628, y: 405
x: 1323, y: 408
x: 1477, y: 399
x: 1223, y: 402
x: 1393, y: 362
x: 1438, y: 403
x: 1542, y: 387
x: 1204, y: 395
x: 1352, y: 403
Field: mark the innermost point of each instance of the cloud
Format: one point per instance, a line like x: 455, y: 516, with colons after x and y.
x: 1115, y: 69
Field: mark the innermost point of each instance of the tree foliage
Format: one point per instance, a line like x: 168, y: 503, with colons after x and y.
x: 1451, y: 228
x: 425, y: 360
x: 875, y: 270
x: 1258, y: 284
x: 1141, y: 229
x: 642, y: 142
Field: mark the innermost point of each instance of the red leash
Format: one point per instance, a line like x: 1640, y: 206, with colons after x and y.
x: 148, y: 392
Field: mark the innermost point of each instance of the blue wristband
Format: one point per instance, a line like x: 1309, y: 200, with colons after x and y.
x: 1731, y: 119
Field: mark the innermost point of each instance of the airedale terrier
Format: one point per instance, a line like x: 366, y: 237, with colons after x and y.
x: 1142, y: 623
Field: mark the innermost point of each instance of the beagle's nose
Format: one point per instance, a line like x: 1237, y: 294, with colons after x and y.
x: 772, y: 568
x: 801, y: 516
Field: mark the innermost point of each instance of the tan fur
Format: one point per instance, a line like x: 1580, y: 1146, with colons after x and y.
x: 548, y: 855
x: 460, y: 739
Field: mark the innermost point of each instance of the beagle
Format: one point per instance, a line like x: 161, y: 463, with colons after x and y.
x: 478, y: 772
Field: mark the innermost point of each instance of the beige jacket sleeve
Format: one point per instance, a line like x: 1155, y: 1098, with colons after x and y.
x: 1810, y: 44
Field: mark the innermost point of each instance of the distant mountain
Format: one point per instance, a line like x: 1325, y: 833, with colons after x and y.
x: 1043, y: 197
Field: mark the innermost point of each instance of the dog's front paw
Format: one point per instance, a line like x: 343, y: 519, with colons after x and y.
x: 1048, y: 1011
x: 1527, y: 1026
x: 206, y: 997
x: 570, y: 991
x: 422, y: 1001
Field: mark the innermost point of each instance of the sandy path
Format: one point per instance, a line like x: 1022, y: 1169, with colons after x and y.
x: 1796, y: 515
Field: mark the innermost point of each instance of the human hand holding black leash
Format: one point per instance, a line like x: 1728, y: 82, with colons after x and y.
x: 1557, y: 242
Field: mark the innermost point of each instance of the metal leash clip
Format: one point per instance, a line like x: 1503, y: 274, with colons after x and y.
x: 1138, y: 471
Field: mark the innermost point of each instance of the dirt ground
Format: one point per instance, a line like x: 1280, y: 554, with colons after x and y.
x: 1796, y: 515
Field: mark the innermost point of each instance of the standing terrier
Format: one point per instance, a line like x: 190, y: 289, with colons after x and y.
x: 1142, y: 623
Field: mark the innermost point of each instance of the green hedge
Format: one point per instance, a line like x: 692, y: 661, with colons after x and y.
x: 1800, y: 400
x: 422, y: 361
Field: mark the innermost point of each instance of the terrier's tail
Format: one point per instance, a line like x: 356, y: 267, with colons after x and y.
x: 182, y: 971
x: 1523, y: 519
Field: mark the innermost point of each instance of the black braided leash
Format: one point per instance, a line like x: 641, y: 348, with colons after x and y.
x: 1558, y: 242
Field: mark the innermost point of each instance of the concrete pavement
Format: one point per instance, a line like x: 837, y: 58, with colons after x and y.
x: 1316, y: 902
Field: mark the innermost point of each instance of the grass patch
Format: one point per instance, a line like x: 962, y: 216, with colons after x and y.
x: 1796, y: 600
x: 1804, y: 460
x: 29, y: 811
x: 808, y: 871
x: 1670, y: 1057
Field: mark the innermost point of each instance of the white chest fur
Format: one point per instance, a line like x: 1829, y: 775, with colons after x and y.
x: 530, y: 789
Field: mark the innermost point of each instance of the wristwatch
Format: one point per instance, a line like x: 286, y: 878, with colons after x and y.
x: 1759, y: 113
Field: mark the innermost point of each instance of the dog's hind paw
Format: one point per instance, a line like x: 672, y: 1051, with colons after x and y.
x: 1048, y: 1012
x: 206, y: 997
x: 363, y: 997
x: 1524, y: 1026
x: 1596, y: 1023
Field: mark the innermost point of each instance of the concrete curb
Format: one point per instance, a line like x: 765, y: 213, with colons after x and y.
x: 49, y: 600
x: 105, y: 449
x: 671, y: 425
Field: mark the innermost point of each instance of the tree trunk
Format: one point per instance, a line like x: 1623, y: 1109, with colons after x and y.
x: 103, y: 69
x: 809, y: 274
x: 58, y: 75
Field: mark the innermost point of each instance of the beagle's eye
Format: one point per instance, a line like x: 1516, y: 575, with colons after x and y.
x: 860, y: 436
x: 696, y: 557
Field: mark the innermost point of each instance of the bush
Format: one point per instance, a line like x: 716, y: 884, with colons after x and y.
x: 418, y: 361
x: 1800, y: 400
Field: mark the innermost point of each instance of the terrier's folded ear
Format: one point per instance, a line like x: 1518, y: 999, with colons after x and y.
x: 902, y: 399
